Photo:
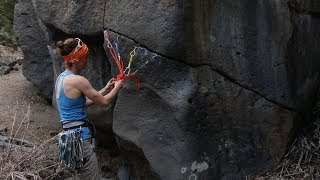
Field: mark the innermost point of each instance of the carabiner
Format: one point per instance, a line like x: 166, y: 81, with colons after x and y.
x: 106, y: 36
x: 109, y: 45
x: 117, y: 48
x: 132, y: 54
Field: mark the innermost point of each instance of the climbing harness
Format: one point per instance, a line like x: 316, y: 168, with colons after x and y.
x: 70, y: 146
x: 123, y: 73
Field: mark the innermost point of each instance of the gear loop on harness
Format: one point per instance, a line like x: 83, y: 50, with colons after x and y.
x: 70, y: 143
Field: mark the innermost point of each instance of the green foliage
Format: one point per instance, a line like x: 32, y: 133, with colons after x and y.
x: 6, y: 21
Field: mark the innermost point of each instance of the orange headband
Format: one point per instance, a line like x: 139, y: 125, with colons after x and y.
x: 78, y: 53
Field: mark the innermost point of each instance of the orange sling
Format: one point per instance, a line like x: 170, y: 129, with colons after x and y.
x: 119, y: 63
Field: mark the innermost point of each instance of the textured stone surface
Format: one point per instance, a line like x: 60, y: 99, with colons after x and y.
x: 251, y: 47
x: 257, y: 49
x: 4, y: 70
x: 155, y: 24
x: 209, y: 120
x: 303, y: 67
x: 102, y: 118
x: 9, y: 60
x: 73, y: 16
x: 37, y: 65
x: 306, y: 6
x: 219, y: 94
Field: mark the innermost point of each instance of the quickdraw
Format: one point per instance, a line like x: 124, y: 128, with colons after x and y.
x: 123, y: 73
x: 117, y: 48
x: 128, y: 68
x: 71, y: 149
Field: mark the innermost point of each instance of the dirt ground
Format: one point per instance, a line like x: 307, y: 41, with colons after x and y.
x: 21, y: 105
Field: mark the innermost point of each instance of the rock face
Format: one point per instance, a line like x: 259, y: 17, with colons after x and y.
x: 251, y: 48
x: 226, y: 85
x: 9, y: 60
x: 37, y: 65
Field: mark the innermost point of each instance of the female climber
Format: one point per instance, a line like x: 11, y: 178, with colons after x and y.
x: 73, y: 92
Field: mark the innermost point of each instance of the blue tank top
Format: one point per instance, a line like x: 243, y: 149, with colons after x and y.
x: 71, y: 109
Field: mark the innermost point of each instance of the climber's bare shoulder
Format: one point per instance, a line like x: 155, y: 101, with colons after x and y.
x: 83, y: 85
x: 75, y: 85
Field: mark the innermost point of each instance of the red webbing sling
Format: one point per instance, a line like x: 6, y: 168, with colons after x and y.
x: 119, y: 63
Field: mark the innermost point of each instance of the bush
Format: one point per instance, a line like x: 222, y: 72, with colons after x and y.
x: 6, y: 21
x: 22, y: 159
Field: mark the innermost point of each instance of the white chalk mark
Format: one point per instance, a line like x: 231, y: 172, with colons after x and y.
x: 199, y: 166
x: 183, y: 170
x: 193, y: 177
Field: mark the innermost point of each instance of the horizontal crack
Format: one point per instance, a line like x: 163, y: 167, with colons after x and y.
x: 143, y: 46
x: 215, y: 70
x: 249, y: 89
